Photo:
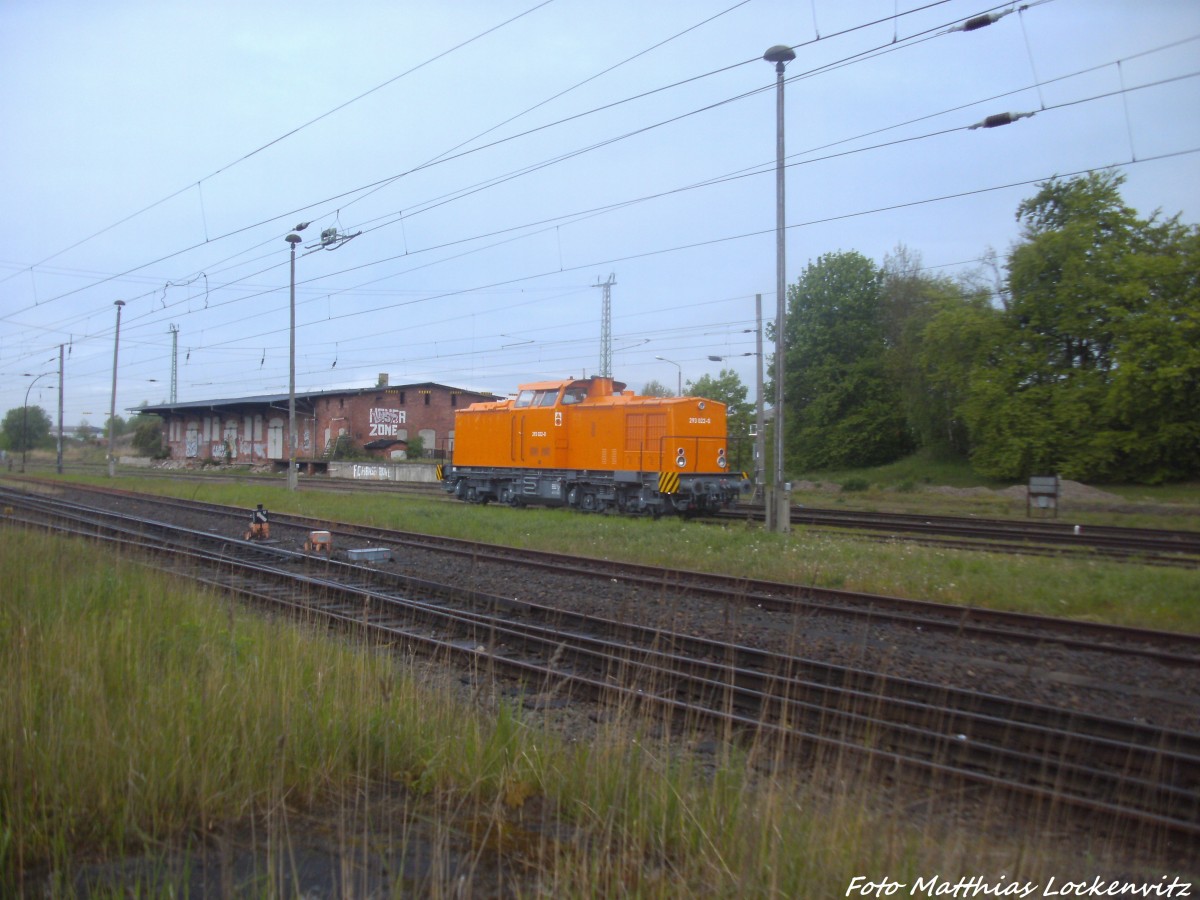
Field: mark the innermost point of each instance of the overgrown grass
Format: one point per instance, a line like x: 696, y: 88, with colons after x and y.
x: 924, y: 467
x: 144, y: 719
x: 931, y: 484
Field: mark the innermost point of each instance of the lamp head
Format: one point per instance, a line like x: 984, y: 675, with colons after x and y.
x: 293, y: 239
x: 780, y: 54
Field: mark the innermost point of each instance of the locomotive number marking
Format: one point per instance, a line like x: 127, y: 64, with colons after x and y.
x: 699, y: 420
x: 539, y: 434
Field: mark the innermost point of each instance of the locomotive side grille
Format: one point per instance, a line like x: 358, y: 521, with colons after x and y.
x: 635, y: 431
x: 644, y: 430
x: 656, y: 427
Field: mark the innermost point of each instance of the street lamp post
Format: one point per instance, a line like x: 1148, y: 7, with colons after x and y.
x: 679, y: 392
x: 58, y: 466
x: 25, y: 416
x: 112, y: 412
x: 292, y: 477
x: 778, y: 512
x: 760, y: 422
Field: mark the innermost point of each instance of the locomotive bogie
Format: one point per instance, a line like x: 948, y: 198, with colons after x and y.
x: 626, y: 492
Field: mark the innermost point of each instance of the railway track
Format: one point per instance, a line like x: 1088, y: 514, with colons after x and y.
x: 1139, y: 545
x: 1143, y: 546
x: 1052, y: 757
x: 1175, y: 649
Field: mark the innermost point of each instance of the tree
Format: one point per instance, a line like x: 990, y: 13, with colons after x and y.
x: 115, y: 426
x: 929, y: 326
x: 657, y: 389
x: 841, y: 408
x: 25, y: 427
x: 1153, y: 404
x: 147, y: 433
x: 727, y: 388
x: 1095, y: 373
x: 959, y: 337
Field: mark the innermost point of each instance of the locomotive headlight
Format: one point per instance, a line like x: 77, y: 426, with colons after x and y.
x: 722, y: 462
x: 680, y: 458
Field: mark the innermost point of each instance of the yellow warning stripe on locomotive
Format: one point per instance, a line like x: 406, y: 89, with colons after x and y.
x: 668, y: 482
x: 439, y: 474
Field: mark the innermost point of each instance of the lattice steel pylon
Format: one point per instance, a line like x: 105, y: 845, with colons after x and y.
x: 606, y: 326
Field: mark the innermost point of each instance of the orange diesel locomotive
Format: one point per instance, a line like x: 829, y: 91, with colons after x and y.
x: 592, y: 445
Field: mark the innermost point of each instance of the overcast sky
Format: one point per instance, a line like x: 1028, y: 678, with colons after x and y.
x: 499, y: 159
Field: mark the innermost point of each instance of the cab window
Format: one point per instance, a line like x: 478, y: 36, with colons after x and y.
x: 524, y: 399
x: 547, y: 398
x: 575, y: 394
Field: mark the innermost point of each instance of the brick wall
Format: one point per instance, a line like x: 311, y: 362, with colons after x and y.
x: 249, y: 432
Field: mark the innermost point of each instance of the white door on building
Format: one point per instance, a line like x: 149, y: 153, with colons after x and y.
x: 275, y: 439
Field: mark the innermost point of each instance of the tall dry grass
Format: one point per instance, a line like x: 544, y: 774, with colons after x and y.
x: 146, y: 721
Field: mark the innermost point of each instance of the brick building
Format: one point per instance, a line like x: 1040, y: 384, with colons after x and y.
x: 380, y: 420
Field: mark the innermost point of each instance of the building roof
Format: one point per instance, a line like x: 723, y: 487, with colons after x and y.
x: 272, y: 399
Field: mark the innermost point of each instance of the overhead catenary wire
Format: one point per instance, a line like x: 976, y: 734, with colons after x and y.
x: 723, y: 178
x: 590, y: 212
x: 736, y: 237
x: 999, y: 119
x: 290, y: 133
x: 445, y: 158
x: 600, y: 263
x: 466, y: 239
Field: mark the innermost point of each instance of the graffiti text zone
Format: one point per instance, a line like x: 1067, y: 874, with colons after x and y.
x: 386, y: 422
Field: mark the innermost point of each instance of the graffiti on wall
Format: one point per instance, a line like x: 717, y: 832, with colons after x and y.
x: 386, y: 422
